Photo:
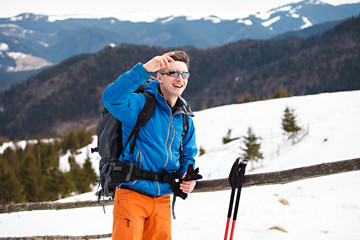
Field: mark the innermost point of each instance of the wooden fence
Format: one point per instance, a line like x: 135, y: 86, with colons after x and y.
x: 280, y: 177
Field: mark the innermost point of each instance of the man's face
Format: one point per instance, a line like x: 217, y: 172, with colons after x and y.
x: 173, y: 87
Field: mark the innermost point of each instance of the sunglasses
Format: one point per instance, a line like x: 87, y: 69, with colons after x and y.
x: 175, y: 73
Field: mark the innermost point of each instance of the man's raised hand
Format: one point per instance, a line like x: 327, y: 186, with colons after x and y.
x: 159, y: 62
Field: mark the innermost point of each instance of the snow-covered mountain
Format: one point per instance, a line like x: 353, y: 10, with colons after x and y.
x: 319, y: 208
x: 33, y: 41
x: 18, y: 61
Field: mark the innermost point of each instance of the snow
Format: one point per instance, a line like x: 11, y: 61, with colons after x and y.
x: 21, y: 144
x: 266, y: 15
x: 4, y: 47
x: 271, y: 21
x: 26, y: 62
x: 307, y: 23
x: 80, y: 158
x: 245, y: 21
x: 314, y: 2
x: 318, y: 208
x: 213, y: 19
x: 16, y: 55
x: 263, y: 15
x: 169, y: 19
x: 295, y: 15
x: 14, y: 145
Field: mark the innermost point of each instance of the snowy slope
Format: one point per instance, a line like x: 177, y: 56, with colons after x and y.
x: 319, y: 208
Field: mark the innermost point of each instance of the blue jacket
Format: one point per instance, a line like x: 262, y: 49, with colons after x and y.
x: 157, y: 146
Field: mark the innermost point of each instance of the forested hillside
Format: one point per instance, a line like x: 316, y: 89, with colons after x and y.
x: 67, y: 96
x: 30, y: 171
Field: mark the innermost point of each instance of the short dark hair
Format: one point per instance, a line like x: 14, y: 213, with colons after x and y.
x: 182, y: 57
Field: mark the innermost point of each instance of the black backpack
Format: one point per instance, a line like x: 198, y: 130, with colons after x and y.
x: 110, y: 147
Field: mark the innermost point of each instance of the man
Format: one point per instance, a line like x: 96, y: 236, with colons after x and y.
x: 142, y: 207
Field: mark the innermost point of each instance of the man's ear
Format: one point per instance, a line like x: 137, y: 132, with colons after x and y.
x: 159, y: 77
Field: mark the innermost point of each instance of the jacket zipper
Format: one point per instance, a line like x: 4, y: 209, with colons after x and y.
x: 166, y: 143
x: 172, y: 140
x: 158, y: 187
x: 167, y: 139
x: 138, y: 155
x: 168, y: 150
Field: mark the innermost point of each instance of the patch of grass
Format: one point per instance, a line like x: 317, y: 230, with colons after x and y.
x: 284, y: 201
x: 278, y: 228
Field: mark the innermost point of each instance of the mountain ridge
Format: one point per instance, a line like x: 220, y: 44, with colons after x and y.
x: 53, y: 40
x: 68, y: 95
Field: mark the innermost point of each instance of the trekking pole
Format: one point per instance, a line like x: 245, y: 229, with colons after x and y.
x: 236, y: 178
x: 229, y: 213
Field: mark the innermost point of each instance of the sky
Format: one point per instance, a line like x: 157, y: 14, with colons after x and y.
x: 143, y: 10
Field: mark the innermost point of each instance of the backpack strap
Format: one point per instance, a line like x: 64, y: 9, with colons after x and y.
x: 175, y: 185
x: 185, y: 128
x: 125, y: 171
x: 144, y: 117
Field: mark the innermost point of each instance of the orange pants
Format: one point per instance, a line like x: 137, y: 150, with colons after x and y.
x: 139, y: 217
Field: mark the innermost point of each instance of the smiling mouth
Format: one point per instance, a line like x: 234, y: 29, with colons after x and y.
x: 178, y: 86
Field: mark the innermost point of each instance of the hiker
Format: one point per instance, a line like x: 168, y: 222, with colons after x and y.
x: 142, y: 208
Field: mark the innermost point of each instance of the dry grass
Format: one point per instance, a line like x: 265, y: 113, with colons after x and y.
x: 278, y: 228
x: 284, y: 201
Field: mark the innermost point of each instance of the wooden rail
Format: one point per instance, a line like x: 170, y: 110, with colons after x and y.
x: 280, y: 177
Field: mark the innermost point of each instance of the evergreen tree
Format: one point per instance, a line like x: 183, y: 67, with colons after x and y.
x: 81, y: 177
x: 289, y: 124
x: 90, y: 175
x: 74, y: 175
x: 203, y: 106
x: 32, y: 173
x: 10, y: 188
x: 244, y: 98
x: 228, y: 138
x: 252, y: 147
x: 281, y: 92
x: 31, y: 176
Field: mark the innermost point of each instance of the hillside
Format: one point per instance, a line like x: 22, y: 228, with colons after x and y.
x: 67, y: 96
x: 318, y: 208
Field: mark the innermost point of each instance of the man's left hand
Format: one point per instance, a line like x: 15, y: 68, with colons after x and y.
x: 187, y: 186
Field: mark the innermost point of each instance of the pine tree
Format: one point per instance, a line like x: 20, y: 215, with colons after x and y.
x: 90, y: 175
x: 281, y: 92
x: 289, y: 124
x: 32, y: 174
x: 252, y: 147
x: 11, y: 189
x: 228, y: 138
x: 203, y: 106
x: 81, y: 177
x: 75, y: 175
x: 31, y: 177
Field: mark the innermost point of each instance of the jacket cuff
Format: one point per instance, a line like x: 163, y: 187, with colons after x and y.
x: 141, y: 71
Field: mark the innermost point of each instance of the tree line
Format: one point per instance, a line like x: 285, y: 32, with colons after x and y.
x: 32, y: 173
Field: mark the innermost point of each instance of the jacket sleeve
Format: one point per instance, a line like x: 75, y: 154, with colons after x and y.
x: 187, y: 156
x: 118, y: 97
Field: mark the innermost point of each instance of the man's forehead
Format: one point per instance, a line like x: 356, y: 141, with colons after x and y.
x: 178, y: 65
